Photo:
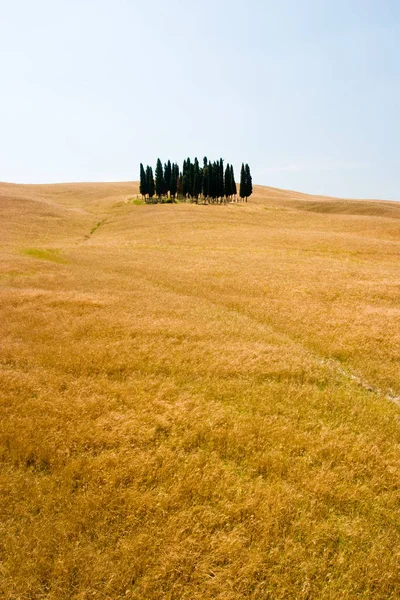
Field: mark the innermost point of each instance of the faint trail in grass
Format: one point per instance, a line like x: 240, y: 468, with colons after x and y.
x: 336, y: 366
x: 331, y: 363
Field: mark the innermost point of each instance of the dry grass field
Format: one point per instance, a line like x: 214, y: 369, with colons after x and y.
x: 198, y: 402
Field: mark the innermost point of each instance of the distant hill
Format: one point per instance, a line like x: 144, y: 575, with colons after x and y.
x: 95, y: 197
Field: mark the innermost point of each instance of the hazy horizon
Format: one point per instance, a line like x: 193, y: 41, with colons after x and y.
x: 307, y: 95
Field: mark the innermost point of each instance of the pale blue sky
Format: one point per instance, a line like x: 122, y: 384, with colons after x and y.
x: 306, y: 91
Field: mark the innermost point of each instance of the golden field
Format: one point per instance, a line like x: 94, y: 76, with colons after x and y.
x: 198, y: 402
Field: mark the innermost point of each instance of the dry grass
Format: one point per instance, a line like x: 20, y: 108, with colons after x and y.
x: 177, y: 416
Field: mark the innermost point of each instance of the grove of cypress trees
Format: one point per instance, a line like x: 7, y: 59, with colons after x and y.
x: 211, y: 181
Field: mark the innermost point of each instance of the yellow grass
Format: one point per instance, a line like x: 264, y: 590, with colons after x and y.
x: 198, y: 402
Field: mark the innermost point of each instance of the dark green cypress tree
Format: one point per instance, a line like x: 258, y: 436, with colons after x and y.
x: 150, y: 182
x: 167, y: 176
x: 211, y: 181
x: 242, y: 189
x: 228, y: 185
x: 205, y: 177
x: 200, y: 181
x: 174, y: 180
x: 221, y: 183
x: 249, y: 182
x: 179, y: 185
x: 190, y: 173
x: 192, y: 179
x: 143, y: 181
x: 215, y: 180
x: 178, y: 175
x: 160, y: 185
x: 185, y: 179
x: 233, y: 183
x: 196, y: 179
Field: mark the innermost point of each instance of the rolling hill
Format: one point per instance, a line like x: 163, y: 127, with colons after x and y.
x: 198, y: 401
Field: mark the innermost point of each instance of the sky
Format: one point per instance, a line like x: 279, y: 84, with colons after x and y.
x: 305, y: 91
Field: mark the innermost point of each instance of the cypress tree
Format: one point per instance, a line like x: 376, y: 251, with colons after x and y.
x: 143, y: 181
x: 249, y: 181
x: 196, y: 179
x: 200, y: 180
x: 174, y: 180
x: 221, y: 186
x: 179, y: 185
x: 167, y: 176
x: 215, y: 180
x: 178, y: 175
x: 185, y: 179
x: 242, y: 189
x: 205, y: 177
x: 211, y: 181
x: 190, y: 176
x: 208, y: 182
x: 233, y: 182
x: 160, y: 185
x: 150, y: 181
x: 228, y: 183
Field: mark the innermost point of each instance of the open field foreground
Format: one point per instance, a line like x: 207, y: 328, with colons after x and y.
x: 198, y: 402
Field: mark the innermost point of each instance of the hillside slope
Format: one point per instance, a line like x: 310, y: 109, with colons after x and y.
x: 198, y: 401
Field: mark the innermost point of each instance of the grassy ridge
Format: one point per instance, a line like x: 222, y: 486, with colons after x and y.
x: 177, y: 414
